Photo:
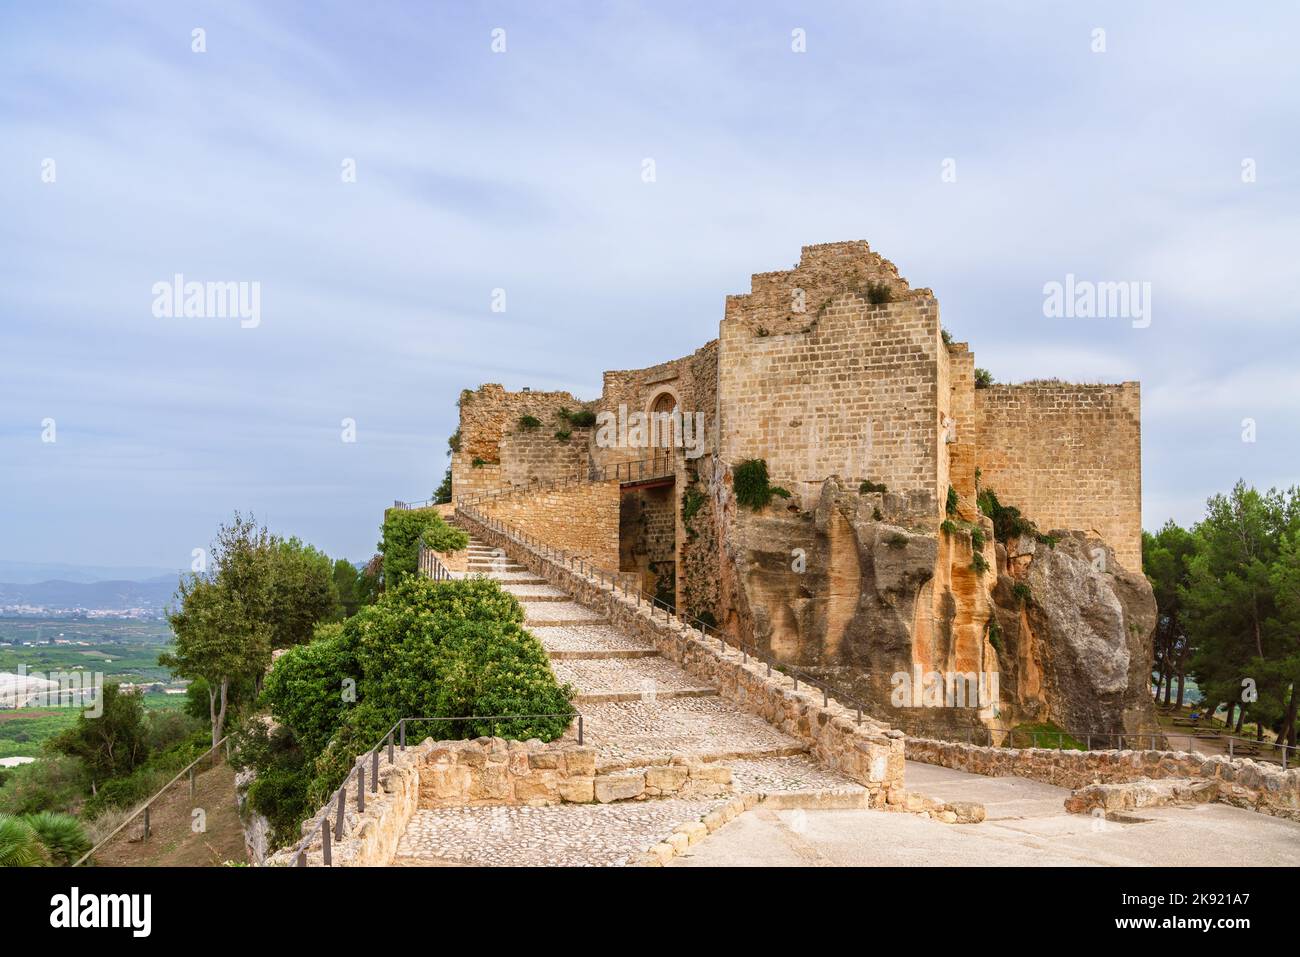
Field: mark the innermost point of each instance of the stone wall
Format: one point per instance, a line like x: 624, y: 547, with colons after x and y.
x: 581, y: 518
x: 854, y: 393
x: 1241, y: 782
x: 1068, y: 456
x: 647, y: 544
x: 530, y: 456
x: 487, y: 416
x: 869, y: 753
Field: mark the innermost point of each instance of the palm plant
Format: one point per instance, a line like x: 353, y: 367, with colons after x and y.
x: 62, y: 834
x: 20, y: 845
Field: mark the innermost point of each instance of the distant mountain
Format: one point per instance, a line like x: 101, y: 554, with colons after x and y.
x: 154, y: 593
x: 30, y: 573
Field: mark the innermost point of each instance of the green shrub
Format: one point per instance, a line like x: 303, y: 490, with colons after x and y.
x: 978, y: 563
x: 563, y: 435
x: 977, y: 539
x: 876, y: 516
x: 895, y: 540
x: 1044, y: 734
x: 453, y: 443
x: 1008, y: 523
x: 879, y: 292
x: 1022, y: 591
x: 478, y: 463
x: 52, y: 783
x: 583, y: 420
x: 951, y: 505
x: 949, y: 527
x: 62, y: 835
x: 424, y: 649
x: 983, y: 378
x: 400, y: 544
x: 995, y: 635
x: 529, y: 422
x: 868, y: 487
x: 750, y: 483
x: 947, y: 337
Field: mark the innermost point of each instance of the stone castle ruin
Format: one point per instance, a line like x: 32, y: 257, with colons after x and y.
x: 872, y: 563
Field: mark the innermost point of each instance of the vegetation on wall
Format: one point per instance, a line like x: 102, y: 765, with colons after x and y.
x: 582, y: 419
x: 750, y: 482
x: 868, y: 487
x: 1008, y: 523
x: 529, y: 422
x: 983, y: 378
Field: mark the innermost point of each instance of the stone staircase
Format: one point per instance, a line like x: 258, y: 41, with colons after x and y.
x: 640, y: 711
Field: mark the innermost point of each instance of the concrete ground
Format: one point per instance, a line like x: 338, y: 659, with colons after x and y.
x: 1026, y: 826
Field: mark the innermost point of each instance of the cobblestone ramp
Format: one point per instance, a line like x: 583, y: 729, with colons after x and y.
x: 639, y: 709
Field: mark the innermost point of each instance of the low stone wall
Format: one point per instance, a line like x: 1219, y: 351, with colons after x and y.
x: 1241, y: 782
x: 496, y: 771
x: 370, y: 837
x: 870, y: 753
x: 581, y: 517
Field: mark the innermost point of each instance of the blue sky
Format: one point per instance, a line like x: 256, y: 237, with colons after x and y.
x: 522, y: 170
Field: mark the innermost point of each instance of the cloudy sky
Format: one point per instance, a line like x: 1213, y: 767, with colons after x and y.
x: 522, y: 170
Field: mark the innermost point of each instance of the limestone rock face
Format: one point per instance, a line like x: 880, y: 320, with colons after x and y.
x: 1077, y: 643
x: 861, y: 588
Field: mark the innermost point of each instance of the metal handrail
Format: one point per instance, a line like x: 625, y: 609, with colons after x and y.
x: 144, y: 808
x: 336, y: 831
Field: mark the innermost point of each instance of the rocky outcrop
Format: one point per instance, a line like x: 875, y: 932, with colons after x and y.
x: 865, y: 589
x: 1075, y: 631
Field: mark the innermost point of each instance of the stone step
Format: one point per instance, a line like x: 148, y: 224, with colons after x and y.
x: 556, y: 835
x: 535, y: 592
x: 559, y: 613
x: 584, y: 642
x: 629, y: 679
x: 632, y: 733
x: 797, y: 781
x: 514, y: 578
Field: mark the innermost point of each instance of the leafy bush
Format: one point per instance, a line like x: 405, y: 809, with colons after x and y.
x: 402, y: 531
x: 62, y: 835
x: 983, y: 378
x: 947, y: 337
x: 529, y: 422
x: 949, y: 527
x: 54, y: 783
x: 1022, y: 591
x: 563, y: 435
x: 478, y: 463
x: 749, y: 480
x: 978, y: 563
x: 425, y: 649
x: 453, y: 442
x: 868, y: 487
x: 895, y: 540
x: 879, y: 292
x: 583, y: 420
x: 951, y: 505
x: 1008, y: 523
x: 977, y: 539
x: 995, y: 635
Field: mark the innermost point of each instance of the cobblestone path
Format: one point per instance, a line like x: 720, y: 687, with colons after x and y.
x: 638, y: 709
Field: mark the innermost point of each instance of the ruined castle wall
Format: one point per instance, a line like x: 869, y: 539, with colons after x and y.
x: 961, y: 438
x: 1068, y: 456
x: 487, y: 416
x: 647, y: 538
x: 536, y: 455
x: 581, y: 519
x: 855, y: 395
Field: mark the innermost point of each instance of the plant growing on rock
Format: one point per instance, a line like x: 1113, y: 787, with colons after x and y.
x: 750, y: 483
x: 868, y: 487
x: 529, y: 422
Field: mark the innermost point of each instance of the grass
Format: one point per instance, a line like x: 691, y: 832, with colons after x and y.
x: 1048, y: 736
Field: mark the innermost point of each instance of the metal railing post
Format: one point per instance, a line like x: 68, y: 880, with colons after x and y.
x: 390, y: 747
x: 401, y: 732
x: 338, y: 817
x: 325, y: 842
x: 361, y: 788
x: 146, y: 822
x: 580, y: 727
